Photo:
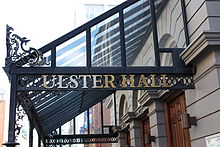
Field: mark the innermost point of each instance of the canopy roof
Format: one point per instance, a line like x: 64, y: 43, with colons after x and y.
x: 107, y: 44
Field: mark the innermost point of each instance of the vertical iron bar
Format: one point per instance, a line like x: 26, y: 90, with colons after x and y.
x: 122, y: 38
x: 88, y: 121
x: 53, y: 57
x: 88, y: 47
x: 185, y: 22
x: 74, y: 126
x: 102, y: 117
x: 60, y: 133
x: 12, y: 113
x: 115, y: 109
x: 155, y: 35
x: 31, y: 131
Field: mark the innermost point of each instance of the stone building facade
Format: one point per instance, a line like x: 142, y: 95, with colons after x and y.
x: 158, y: 118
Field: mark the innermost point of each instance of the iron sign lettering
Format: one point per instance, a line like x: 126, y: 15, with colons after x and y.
x: 104, y: 81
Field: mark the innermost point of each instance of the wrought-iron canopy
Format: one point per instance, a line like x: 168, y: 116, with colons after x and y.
x: 105, y: 48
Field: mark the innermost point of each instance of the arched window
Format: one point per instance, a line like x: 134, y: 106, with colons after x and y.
x: 121, y: 107
x: 167, y: 41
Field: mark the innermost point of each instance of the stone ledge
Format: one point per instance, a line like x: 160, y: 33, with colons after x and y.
x: 148, y: 97
x: 200, y: 46
x: 128, y: 117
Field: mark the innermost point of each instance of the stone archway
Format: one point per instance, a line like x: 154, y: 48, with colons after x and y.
x: 167, y: 41
x: 121, y: 107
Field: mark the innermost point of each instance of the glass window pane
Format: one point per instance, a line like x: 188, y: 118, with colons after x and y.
x: 166, y: 59
x: 105, y: 43
x: 108, y: 112
x: 72, y: 52
x: 81, y: 123
x: 170, y: 25
x: 138, y: 35
x: 95, y: 119
x: 66, y: 129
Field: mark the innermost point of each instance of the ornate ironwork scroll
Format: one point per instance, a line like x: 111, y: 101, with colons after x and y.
x: 20, y: 113
x: 17, y: 54
x: 22, y: 108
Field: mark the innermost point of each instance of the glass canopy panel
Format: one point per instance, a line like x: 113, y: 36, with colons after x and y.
x: 138, y: 35
x: 47, y: 58
x: 72, y: 52
x: 81, y: 123
x: 95, y: 119
x: 105, y: 43
x: 170, y: 26
x: 166, y: 59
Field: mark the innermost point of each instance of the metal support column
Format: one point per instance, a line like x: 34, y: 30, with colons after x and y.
x: 122, y: 38
x: 88, y: 121
x: 185, y: 22
x: 74, y: 126
x: 31, y: 133
x: 154, y: 30
x: 115, y: 109
x: 12, y: 113
x: 102, y: 122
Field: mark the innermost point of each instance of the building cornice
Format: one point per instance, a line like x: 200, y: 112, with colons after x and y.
x: 148, y: 97
x: 205, y: 41
x: 128, y: 117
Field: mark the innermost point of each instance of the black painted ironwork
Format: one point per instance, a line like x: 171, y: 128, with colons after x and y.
x: 54, y: 106
x: 80, y: 139
x: 18, y: 54
x: 118, y: 82
x: 20, y: 113
x: 186, y: 31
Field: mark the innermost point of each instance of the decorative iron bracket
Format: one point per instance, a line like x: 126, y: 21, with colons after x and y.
x: 17, y: 54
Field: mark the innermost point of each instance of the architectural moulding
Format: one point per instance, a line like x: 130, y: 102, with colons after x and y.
x: 148, y: 97
x: 201, y: 45
x: 128, y: 117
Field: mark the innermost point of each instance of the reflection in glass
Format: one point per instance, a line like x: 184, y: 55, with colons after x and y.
x: 72, y: 52
x: 105, y: 43
x: 95, y: 119
x: 81, y: 123
x: 166, y: 59
x: 138, y: 35
x: 170, y: 25
x: 66, y: 129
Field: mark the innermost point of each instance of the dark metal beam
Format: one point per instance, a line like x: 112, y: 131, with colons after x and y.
x: 114, y: 98
x: 102, y: 122
x: 88, y: 47
x: 122, y: 38
x: 12, y: 113
x: 183, y: 6
x: 98, y: 70
x: 155, y: 35
x: 88, y: 125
